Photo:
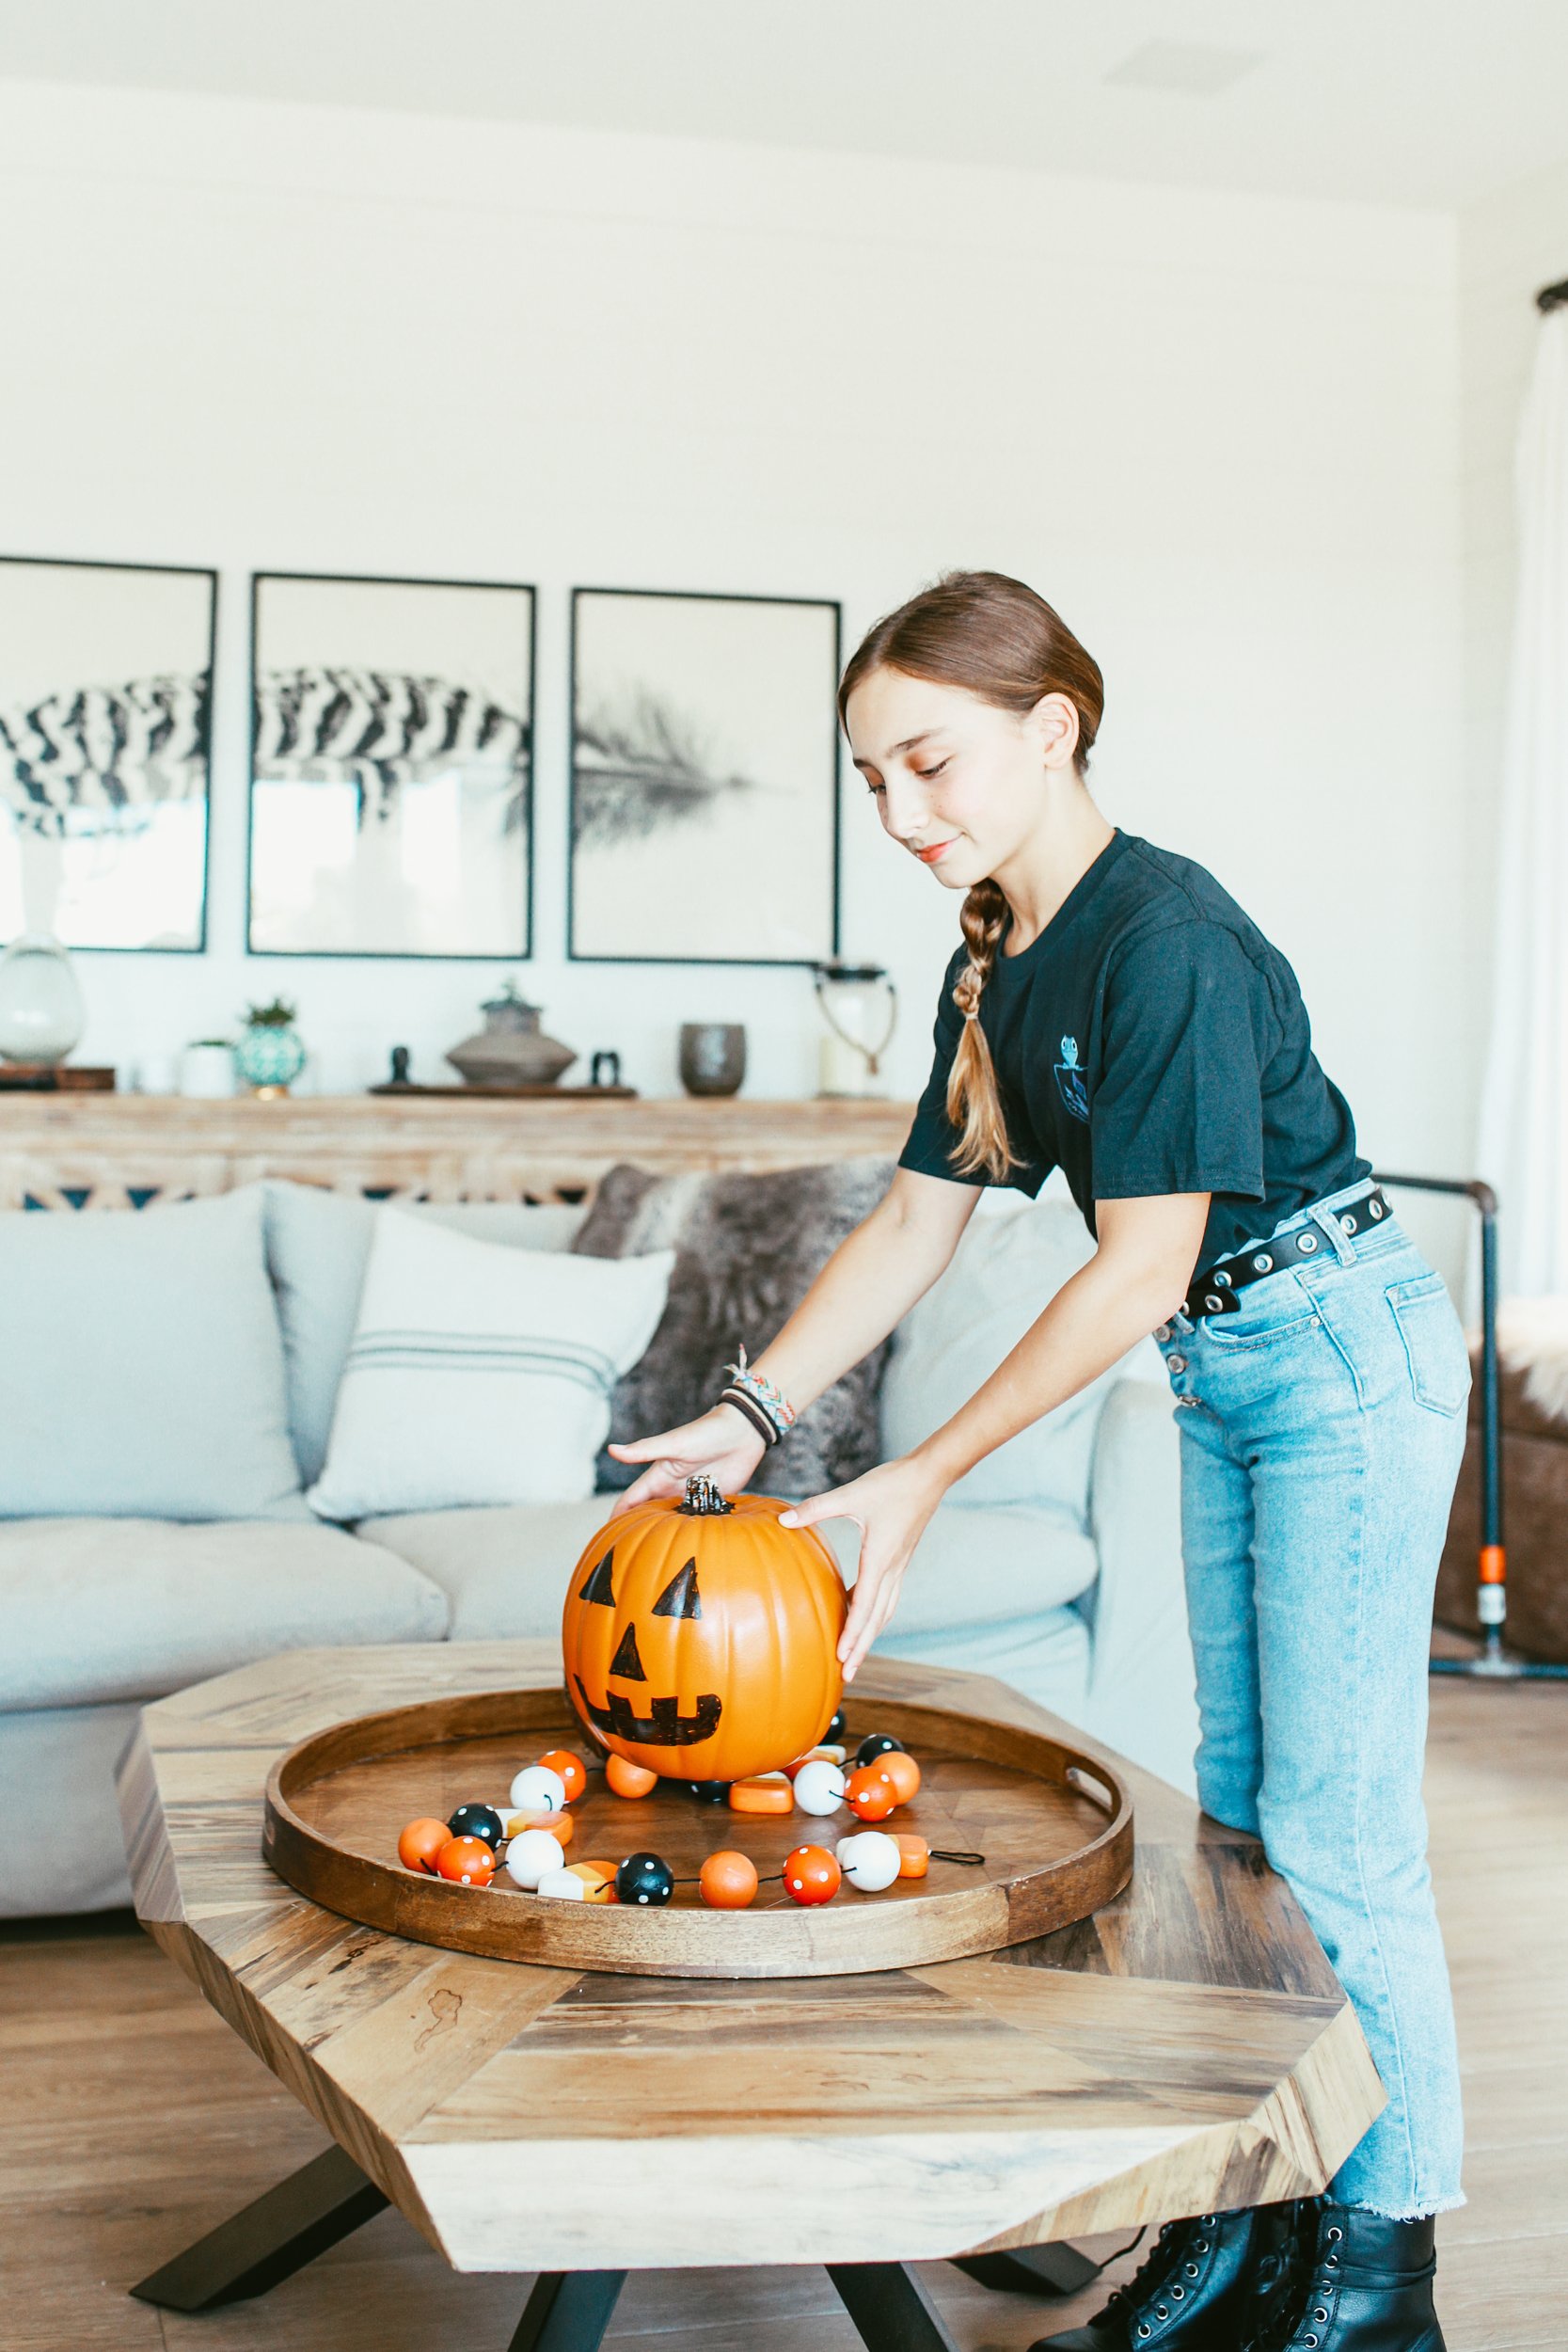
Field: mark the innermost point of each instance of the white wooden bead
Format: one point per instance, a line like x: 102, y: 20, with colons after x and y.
x: 820, y: 1787
x: 870, y: 1861
x: 530, y: 1856
x: 538, y: 1790
x: 564, y: 1884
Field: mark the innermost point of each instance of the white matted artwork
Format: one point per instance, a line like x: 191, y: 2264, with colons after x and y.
x: 704, y: 778
x: 392, y: 767
x: 105, y: 700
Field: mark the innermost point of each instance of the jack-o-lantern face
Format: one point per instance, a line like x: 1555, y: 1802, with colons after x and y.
x: 701, y: 1638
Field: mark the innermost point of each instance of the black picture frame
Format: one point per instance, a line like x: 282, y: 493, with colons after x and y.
x: 833, y: 783
x: 502, y: 953
x: 185, y: 719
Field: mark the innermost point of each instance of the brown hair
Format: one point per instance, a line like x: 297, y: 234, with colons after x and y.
x: 997, y: 638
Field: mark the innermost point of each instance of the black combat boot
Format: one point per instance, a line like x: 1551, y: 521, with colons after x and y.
x: 1366, y: 2288
x: 1204, y: 2286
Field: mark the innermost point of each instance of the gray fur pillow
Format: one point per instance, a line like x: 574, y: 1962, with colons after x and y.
x: 748, y: 1247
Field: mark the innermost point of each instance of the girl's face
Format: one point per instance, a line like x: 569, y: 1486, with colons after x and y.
x: 960, y: 783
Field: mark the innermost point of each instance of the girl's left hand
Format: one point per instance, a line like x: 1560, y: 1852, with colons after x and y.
x: 890, y: 1506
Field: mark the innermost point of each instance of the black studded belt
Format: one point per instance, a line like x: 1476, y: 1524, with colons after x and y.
x: 1213, y: 1290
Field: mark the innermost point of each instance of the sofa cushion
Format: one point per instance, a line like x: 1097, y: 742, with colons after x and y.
x: 480, y: 1373
x: 318, y: 1243
x: 1012, y: 1258
x: 748, y: 1247
x: 141, y: 1365
x: 504, y: 1571
x: 103, y: 1609
x: 981, y: 1565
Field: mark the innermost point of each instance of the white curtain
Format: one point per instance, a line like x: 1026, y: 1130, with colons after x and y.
x: 1524, y: 1127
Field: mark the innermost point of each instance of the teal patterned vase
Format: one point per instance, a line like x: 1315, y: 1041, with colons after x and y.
x: 269, y: 1057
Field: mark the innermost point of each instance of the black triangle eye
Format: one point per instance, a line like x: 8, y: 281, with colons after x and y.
x: 680, y: 1596
x: 626, y: 1661
x: 597, y: 1587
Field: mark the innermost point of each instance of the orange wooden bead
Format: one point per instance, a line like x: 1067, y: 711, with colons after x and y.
x: 628, y: 1779
x: 916, y: 1853
x: 902, y: 1770
x: 469, y: 1860
x: 812, y: 1875
x: 598, y: 1878
x: 727, y: 1880
x: 765, y: 1792
x: 571, y: 1768
x: 870, y: 1795
x: 560, y: 1825
x: 420, y: 1844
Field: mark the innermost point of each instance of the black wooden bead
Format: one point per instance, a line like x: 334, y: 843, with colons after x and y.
x: 876, y: 1743
x: 835, y: 1730
x: 645, y: 1877
x: 477, y: 1820
x: 711, y: 1791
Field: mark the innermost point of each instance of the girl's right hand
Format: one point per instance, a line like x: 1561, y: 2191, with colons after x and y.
x: 722, y: 1445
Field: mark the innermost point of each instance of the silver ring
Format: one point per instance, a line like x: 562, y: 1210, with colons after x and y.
x: 1307, y: 1243
x: 1348, y: 1222
x: 1223, y: 1279
x: 1374, y: 1208
x: 1214, y: 1303
x: 1263, y: 1262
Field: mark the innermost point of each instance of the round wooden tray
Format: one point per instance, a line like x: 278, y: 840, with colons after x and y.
x: 1054, y: 1828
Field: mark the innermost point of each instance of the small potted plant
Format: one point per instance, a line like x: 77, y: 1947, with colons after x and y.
x: 207, y: 1068
x: 270, y: 1055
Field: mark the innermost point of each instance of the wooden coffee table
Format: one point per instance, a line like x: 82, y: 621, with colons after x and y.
x: 1184, y: 2050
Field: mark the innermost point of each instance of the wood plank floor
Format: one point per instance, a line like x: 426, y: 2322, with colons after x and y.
x: 132, y: 2120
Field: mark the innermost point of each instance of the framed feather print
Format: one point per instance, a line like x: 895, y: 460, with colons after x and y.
x: 704, y: 778
x: 105, y: 702
x: 391, y: 774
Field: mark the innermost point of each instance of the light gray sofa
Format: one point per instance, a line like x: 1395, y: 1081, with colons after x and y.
x: 1054, y: 1566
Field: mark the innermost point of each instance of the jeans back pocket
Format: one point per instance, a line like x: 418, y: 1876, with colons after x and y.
x: 1433, y: 1342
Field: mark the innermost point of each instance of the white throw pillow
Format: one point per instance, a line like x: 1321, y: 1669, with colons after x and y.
x: 478, y: 1373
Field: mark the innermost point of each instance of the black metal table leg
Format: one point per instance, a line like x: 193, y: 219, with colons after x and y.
x: 568, y: 2311
x: 269, y: 2240
x: 1032, y: 2269
x: 890, y: 2307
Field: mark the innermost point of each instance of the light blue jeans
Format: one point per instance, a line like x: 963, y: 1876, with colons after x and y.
x: 1322, y: 1428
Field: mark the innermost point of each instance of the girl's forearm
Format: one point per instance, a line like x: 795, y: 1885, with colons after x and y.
x: 1091, y: 1323
x: 867, y: 1286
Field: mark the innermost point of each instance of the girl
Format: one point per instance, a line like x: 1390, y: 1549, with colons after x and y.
x: 1112, y: 1011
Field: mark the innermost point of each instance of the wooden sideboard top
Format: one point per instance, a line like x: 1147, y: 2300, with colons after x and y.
x: 127, y: 1150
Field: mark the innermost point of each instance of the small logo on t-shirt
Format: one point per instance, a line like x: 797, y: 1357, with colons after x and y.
x: 1070, y: 1080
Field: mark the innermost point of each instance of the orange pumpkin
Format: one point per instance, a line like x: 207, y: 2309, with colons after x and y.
x: 700, y: 1638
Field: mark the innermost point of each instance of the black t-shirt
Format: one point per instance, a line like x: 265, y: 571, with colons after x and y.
x: 1150, y: 1040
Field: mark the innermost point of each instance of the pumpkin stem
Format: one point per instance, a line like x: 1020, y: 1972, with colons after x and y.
x: 703, y: 1500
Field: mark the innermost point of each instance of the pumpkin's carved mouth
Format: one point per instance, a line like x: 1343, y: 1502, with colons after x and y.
x: 663, y: 1726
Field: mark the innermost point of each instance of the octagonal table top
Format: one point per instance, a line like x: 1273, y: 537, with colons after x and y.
x: 1185, y: 2049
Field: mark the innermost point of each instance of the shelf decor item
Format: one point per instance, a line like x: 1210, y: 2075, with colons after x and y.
x: 712, y: 1057
x: 42, y: 1013
x: 106, y: 682
x: 705, y: 802
x: 511, y: 1049
x: 860, y: 1005
x: 271, y: 1054
x: 700, y: 1637
x: 392, y: 767
x: 207, y: 1070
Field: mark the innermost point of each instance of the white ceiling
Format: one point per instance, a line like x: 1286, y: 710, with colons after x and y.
x: 1409, y: 102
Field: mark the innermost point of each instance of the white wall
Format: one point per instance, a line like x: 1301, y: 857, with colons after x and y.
x: 1220, y: 433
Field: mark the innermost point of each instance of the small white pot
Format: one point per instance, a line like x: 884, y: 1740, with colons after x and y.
x: 207, y: 1072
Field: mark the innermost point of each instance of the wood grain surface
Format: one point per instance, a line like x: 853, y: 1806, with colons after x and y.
x: 1186, y: 2046
x: 84, y: 1150
x: 1051, y: 1828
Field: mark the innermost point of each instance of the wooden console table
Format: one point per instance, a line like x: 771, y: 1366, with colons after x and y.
x: 133, y: 1150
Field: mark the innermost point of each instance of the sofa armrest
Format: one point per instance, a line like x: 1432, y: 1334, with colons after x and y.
x: 1141, y: 1686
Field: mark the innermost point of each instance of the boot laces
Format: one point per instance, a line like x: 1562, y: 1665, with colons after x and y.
x: 1302, y: 2317
x: 1167, y: 2266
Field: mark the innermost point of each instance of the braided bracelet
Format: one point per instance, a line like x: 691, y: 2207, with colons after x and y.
x: 755, y: 1389
x: 754, y: 1412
